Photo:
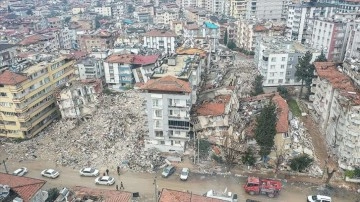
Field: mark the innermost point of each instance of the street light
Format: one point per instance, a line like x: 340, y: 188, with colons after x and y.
x: 156, y: 191
x: 4, y: 163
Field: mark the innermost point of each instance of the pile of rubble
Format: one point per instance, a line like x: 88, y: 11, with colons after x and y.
x: 113, y: 136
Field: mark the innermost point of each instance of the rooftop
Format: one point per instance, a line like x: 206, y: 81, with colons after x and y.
x: 25, y: 187
x: 160, y: 33
x: 168, y: 195
x: 214, y: 107
x: 42, y: 65
x: 338, y: 80
x: 167, y: 84
x: 8, y: 77
x: 315, y: 4
x: 279, y: 44
x: 5, y: 46
x: 282, y: 124
x: 132, y: 59
x: 191, y: 51
x: 179, y: 69
x: 108, y: 195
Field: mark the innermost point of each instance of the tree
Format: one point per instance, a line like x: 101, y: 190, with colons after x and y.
x: 231, y: 45
x: 53, y: 194
x: 204, y: 147
x: 97, y: 22
x: 265, y: 130
x: 67, y: 20
x: 248, y: 158
x: 226, y: 37
x: 283, y: 91
x: 29, y: 12
x: 257, y: 86
x: 305, y: 71
x: 321, y: 57
x: 300, y: 162
x: 9, y: 9
x: 231, y: 152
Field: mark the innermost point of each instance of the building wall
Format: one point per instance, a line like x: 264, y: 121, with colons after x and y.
x: 353, y: 44
x: 29, y: 107
x: 118, y: 76
x: 173, y: 136
x: 7, y: 56
x: 77, y: 10
x: 95, y: 71
x: 165, y: 43
x: 88, y: 42
x: 264, y: 9
x: 104, y: 11
x: 166, y: 17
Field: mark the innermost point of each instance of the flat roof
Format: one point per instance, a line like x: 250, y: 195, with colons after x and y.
x: 169, y: 70
x: 35, y: 68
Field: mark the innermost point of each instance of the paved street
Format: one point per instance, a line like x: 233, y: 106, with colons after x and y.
x: 143, y: 182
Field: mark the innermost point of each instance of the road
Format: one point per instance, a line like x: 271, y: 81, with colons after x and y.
x: 143, y: 182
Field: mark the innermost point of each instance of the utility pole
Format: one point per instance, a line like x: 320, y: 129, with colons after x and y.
x: 156, y: 191
x: 195, y: 149
x: 198, y: 151
x: 4, y: 163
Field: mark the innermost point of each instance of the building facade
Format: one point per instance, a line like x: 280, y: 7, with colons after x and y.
x: 104, y: 11
x: 98, y: 40
x: 90, y: 68
x: 160, y: 39
x: 7, y: 54
x: 27, y: 101
x: 336, y: 108
x: 276, y: 59
x: 168, y: 107
x: 166, y: 16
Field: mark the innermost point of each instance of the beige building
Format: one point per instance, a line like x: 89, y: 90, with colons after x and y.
x: 77, y: 10
x: 98, y: 40
x: 27, y: 103
x: 166, y: 16
x: 336, y: 108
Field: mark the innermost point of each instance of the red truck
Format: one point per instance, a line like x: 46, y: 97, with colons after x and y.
x: 255, y: 185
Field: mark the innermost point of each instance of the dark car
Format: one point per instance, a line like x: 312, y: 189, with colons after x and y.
x: 168, y: 170
x: 250, y: 200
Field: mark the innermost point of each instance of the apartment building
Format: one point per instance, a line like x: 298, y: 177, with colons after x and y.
x: 166, y: 16
x: 161, y: 40
x: 238, y: 8
x: 104, y: 10
x: 195, y: 15
x: 336, y: 108
x: 27, y: 101
x: 97, y: 40
x: 348, y: 6
x: 300, y: 16
x: 264, y: 9
x: 90, y: 68
x: 188, y: 3
x: 78, y: 10
x: 353, y: 43
x: 7, y: 54
x: 276, y: 59
x: 55, y: 22
x: 248, y: 31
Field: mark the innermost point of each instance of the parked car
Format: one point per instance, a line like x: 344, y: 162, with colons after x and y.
x: 20, y: 172
x: 184, y: 174
x: 105, y: 180
x: 169, y: 170
x: 50, y: 173
x: 250, y: 200
x: 319, y: 198
x: 89, y: 172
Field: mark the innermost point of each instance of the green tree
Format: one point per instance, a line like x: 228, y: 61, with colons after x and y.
x: 97, y: 22
x: 300, y: 162
x: 248, y: 158
x: 257, y: 86
x: 305, y: 71
x: 204, y: 147
x: 321, y: 57
x: 226, y: 37
x: 231, y: 45
x: 29, y: 12
x: 283, y: 91
x: 265, y: 130
x: 53, y: 194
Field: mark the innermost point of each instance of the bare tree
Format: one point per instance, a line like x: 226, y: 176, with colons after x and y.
x: 232, y: 152
x: 329, y: 174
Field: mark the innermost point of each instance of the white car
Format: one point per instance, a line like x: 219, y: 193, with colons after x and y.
x: 184, y: 174
x: 50, y: 173
x: 20, y: 172
x: 89, y: 172
x: 105, y: 180
x: 319, y: 198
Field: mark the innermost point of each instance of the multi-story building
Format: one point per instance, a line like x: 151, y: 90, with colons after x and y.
x: 336, y: 108
x: 264, y: 9
x: 7, y: 54
x: 67, y: 38
x: 166, y: 16
x: 78, y: 99
x: 188, y: 3
x: 78, y: 10
x: 300, y: 19
x: 353, y: 44
x: 90, y: 68
x: 276, y: 59
x: 348, y: 6
x: 98, y: 40
x: 27, y: 101
x: 168, y: 106
x: 248, y: 31
x: 104, y: 10
x: 55, y: 22
x: 160, y: 39
x: 238, y: 8
x: 195, y: 15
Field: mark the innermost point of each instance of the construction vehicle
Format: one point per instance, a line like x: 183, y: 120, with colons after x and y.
x: 269, y: 187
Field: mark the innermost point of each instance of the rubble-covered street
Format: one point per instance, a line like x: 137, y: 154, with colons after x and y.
x: 111, y: 137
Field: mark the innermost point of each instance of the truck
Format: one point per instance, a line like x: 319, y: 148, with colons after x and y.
x: 269, y: 187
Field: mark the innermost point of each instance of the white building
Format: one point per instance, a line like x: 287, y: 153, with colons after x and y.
x: 90, y: 68
x: 104, y: 11
x: 77, y: 10
x: 353, y: 44
x: 264, y: 9
x: 336, y: 104
x: 160, y: 39
x: 276, y: 59
x: 301, y: 16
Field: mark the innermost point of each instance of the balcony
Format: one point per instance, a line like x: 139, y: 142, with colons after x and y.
x: 18, y: 100
x: 178, y: 117
x: 24, y: 118
x: 16, y: 89
x: 22, y: 109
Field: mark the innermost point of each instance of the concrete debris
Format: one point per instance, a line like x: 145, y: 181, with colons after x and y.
x: 112, y: 137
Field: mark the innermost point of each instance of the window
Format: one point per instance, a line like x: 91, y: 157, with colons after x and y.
x: 282, y: 66
x: 286, y: 135
x: 6, y: 104
x: 281, y: 73
x: 291, y: 58
x: 280, y: 81
x: 157, y: 102
x: 159, y: 134
x: 177, y: 142
x: 283, y: 59
x: 158, y: 113
x: 271, y: 81
x: 289, y: 66
x: 162, y: 142
x: 157, y: 124
x: 273, y: 59
x: 287, y: 73
x: 272, y: 67
x: 3, y: 94
x: 272, y: 73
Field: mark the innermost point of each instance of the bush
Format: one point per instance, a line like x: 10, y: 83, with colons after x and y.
x: 204, y: 147
x: 283, y: 91
x: 107, y: 91
x: 300, y: 162
x: 353, y: 173
x: 216, y: 158
x: 248, y: 158
x: 53, y: 194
